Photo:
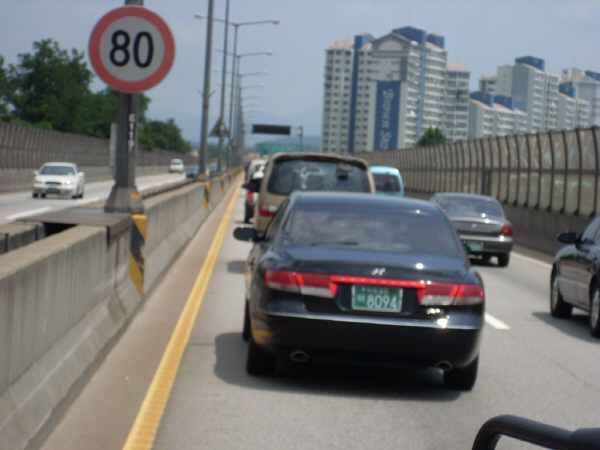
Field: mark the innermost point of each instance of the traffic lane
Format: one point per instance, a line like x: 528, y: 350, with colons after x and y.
x: 102, y: 415
x: 214, y: 404
x: 547, y: 366
x: 18, y: 205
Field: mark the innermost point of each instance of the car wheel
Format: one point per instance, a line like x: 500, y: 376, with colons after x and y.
x: 257, y: 362
x: 503, y: 259
x: 34, y: 195
x: 558, y: 306
x: 462, y: 378
x: 43, y: 195
x: 595, y: 312
x: 246, y: 329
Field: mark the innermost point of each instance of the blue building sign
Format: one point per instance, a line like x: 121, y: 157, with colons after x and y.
x: 387, y: 110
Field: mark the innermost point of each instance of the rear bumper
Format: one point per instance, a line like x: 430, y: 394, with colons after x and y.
x: 453, y: 339
x: 59, y: 190
x: 491, y: 245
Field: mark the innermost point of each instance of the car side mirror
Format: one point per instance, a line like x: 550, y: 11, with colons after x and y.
x: 567, y: 237
x: 246, y: 234
x: 253, y: 185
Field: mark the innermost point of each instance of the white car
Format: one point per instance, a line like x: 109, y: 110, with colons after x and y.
x: 176, y: 165
x: 61, y: 178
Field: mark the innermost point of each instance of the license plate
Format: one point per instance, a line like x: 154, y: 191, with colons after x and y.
x: 376, y: 298
x: 52, y: 190
x: 474, y: 246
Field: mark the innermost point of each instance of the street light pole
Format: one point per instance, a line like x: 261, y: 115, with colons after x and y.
x: 234, y: 69
x: 221, y: 123
x: 206, y: 95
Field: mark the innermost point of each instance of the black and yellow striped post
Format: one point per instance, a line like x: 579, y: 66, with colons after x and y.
x: 207, y: 195
x: 136, y: 254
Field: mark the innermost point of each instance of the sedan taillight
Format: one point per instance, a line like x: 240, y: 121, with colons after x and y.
x: 428, y: 293
x: 507, y: 229
x: 442, y: 294
x: 301, y: 283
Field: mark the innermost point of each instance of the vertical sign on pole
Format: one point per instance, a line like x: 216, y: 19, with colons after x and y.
x: 131, y: 49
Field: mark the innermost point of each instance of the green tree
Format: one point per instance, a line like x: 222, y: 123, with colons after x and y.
x: 165, y: 135
x: 3, y: 91
x: 432, y: 136
x: 49, y: 89
x: 49, y: 86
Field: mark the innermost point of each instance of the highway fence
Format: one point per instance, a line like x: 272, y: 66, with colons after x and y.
x: 555, y: 171
x: 24, y: 149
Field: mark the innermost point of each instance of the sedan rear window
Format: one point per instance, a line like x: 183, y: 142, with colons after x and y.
x: 57, y: 170
x: 386, y: 182
x: 301, y: 175
x: 393, y: 231
x: 471, y: 207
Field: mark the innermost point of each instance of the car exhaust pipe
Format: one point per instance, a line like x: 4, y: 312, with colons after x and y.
x: 444, y: 365
x: 299, y: 356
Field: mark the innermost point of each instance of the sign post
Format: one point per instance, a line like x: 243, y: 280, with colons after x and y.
x: 132, y: 50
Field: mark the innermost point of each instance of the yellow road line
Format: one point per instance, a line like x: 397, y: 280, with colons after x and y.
x: 146, y: 424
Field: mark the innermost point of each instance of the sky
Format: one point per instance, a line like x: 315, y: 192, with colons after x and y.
x: 482, y: 34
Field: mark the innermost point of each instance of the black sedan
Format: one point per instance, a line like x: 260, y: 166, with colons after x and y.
x: 481, y: 224
x: 361, y: 278
x: 575, y: 279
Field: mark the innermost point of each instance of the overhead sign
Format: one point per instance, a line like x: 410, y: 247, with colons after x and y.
x: 131, y: 49
x: 271, y: 129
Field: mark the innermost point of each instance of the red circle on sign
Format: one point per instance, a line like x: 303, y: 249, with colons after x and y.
x: 104, y: 72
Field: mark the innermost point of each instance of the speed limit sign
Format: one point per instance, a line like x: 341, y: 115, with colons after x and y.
x: 131, y: 49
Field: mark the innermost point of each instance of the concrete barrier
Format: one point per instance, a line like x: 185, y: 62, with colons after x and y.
x: 65, y: 300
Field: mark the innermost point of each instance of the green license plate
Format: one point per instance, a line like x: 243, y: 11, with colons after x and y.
x: 474, y: 246
x: 52, y: 190
x: 376, y: 298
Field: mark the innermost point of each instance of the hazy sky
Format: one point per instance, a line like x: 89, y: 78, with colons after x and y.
x: 481, y: 34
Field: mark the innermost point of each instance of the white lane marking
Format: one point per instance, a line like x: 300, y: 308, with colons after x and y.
x: 28, y: 213
x: 533, y: 260
x: 88, y: 200
x: 498, y: 324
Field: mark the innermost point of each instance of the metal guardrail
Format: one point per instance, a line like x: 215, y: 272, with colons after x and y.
x: 537, y: 433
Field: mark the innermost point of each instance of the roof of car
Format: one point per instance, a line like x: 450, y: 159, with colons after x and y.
x: 59, y: 164
x: 464, y: 195
x: 364, y: 200
x: 384, y: 169
x: 318, y: 156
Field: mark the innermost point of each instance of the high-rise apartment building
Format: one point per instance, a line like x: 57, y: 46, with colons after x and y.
x: 586, y: 85
x: 491, y: 115
x: 382, y: 94
x: 534, y: 90
x: 487, y: 83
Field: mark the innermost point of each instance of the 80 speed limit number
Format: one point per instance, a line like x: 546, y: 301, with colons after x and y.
x: 131, y: 49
